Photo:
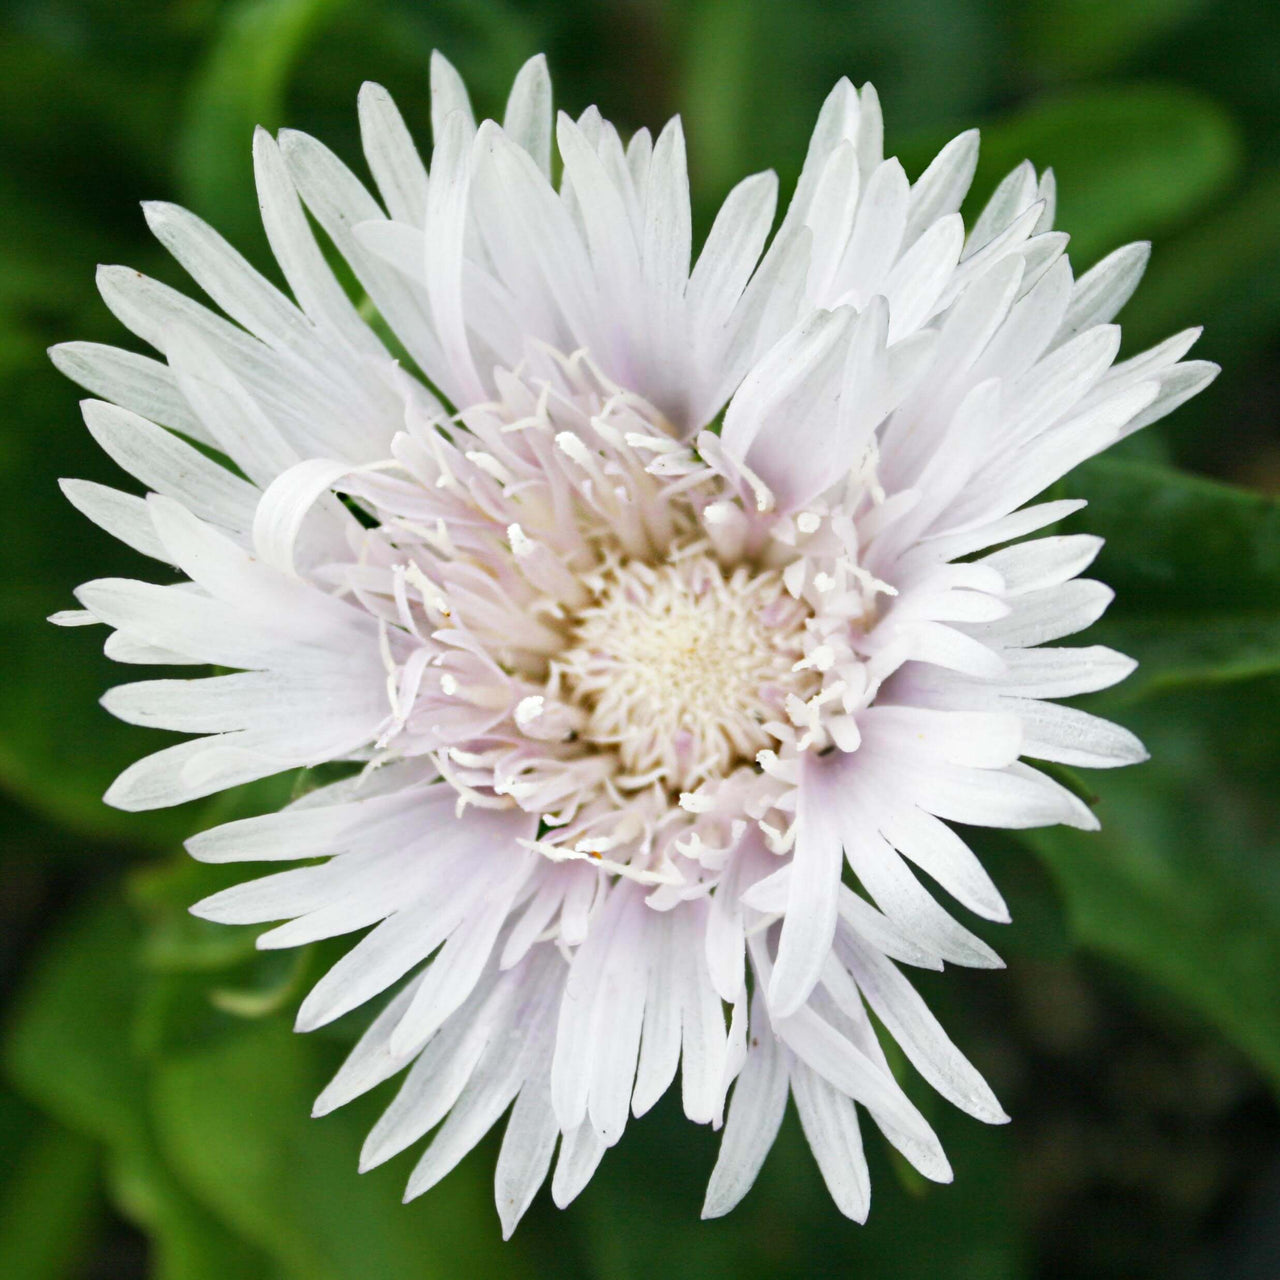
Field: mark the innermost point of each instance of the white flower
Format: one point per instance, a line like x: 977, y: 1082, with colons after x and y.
x: 624, y: 695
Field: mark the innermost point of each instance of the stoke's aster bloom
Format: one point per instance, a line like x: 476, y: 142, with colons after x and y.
x: 653, y: 606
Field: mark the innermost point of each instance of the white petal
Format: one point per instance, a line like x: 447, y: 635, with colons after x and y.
x: 299, y: 257
x: 392, y: 158
x: 434, y: 1082
x: 821, y: 1047
x: 371, y: 1061
x: 755, y: 1116
x: 122, y: 515
x: 768, y: 306
x: 702, y: 1029
x: 810, y: 921
x: 454, y: 972
x: 830, y: 216
x: 262, y: 595
x: 906, y: 902
x: 870, y: 128
x: 660, y: 1039
x: 860, y: 917
x: 479, y: 1108
x: 942, y: 186
x: 249, y: 700
x: 830, y: 1124
x: 731, y: 251
x: 572, y: 1066
x: 289, y: 893
x: 314, y: 831
x: 447, y: 206
x: 1015, y: 194
x: 1016, y: 797
x: 942, y: 854
x: 1103, y: 290
x: 726, y: 937
x: 581, y: 1151
x: 534, y: 919
x: 778, y: 420
x: 171, y: 467
x: 527, y: 1147
x: 288, y: 500
x: 948, y: 546
x: 535, y: 247
x: 528, y: 116
x: 120, y: 647
x: 1177, y: 385
x: 979, y: 739
x: 242, y: 292
x: 1047, y: 193
x: 1031, y: 325
x: 947, y: 647
x: 876, y: 237
x: 180, y: 622
x: 1063, y: 673
x: 837, y: 121
x: 339, y: 202
x: 228, y: 410
x: 1046, y: 392
x: 1046, y: 562
x: 1048, y: 614
x: 381, y: 958
x: 72, y: 618
x: 448, y: 94
x: 618, y: 1022
x: 137, y: 383
x: 610, y: 236
x: 919, y: 276
x: 192, y: 770
x: 1073, y: 737
x: 667, y: 239
x: 907, y: 1019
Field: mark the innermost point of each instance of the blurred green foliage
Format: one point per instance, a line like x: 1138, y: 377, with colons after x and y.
x: 151, y: 1075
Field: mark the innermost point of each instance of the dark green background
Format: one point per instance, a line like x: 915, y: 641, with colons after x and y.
x: 154, y: 1109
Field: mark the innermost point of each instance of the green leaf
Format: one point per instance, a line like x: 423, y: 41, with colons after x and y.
x: 1085, y: 37
x: 187, y: 1242
x: 752, y: 78
x: 1131, y: 162
x: 72, y: 1053
x: 639, y: 1213
x: 212, y: 1148
x: 66, y: 1051
x: 717, y: 90
x: 58, y: 749
x: 76, y: 120
x: 174, y: 940
x: 240, y: 86
x: 1209, y: 275
x: 1180, y: 884
x: 234, y: 1118
x: 52, y: 1201
x: 285, y: 985
x: 1195, y: 565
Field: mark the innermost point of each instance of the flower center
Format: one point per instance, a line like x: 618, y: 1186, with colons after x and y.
x: 679, y: 667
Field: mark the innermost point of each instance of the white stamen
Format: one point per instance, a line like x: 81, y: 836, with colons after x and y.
x: 821, y: 658
x: 529, y: 709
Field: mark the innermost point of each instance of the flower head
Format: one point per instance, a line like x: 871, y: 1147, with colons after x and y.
x: 653, y: 608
